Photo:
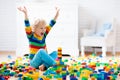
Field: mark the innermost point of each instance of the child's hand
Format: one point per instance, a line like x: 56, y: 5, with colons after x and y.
x: 57, y: 13
x: 57, y: 10
x: 23, y: 9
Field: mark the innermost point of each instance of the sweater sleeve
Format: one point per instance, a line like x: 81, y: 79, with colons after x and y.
x: 28, y: 28
x: 48, y: 27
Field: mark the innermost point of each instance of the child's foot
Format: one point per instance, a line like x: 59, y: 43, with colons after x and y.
x: 42, y: 68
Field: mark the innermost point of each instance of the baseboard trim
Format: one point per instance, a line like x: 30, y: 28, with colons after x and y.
x: 8, y: 52
x: 99, y: 53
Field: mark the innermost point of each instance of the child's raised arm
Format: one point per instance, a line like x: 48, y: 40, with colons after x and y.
x: 28, y: 29
x: 24, y: 10
x: 57, y: 13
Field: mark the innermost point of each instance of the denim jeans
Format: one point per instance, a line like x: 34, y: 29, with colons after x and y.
x: 42, y: 57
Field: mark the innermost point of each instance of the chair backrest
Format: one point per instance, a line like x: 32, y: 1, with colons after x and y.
x: 111, y: 37
x: 102, y: 30
x: 107, y: 29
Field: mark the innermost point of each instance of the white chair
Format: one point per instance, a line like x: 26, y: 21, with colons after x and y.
x: 104, y: 38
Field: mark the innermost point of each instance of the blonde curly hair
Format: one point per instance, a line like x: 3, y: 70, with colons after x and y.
x: 38, y: 23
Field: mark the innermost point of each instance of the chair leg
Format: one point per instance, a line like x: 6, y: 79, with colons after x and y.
x: 82, y: 51
x: 104, y: 51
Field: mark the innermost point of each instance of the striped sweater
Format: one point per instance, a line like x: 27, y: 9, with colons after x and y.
x: 36, y: 42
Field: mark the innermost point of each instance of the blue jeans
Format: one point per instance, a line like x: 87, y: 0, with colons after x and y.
x: 42, y: 57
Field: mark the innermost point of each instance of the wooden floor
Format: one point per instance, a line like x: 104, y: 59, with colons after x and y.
x: 5, y: 54
x: 99, y: 53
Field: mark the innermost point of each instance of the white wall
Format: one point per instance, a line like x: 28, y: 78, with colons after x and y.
x: 9, y: 30
x: 89, y: 10
x: 7, y: 25
x: 92, y: 12
x: 65, y: 32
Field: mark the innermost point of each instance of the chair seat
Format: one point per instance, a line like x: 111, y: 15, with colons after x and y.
x: 93, y: 41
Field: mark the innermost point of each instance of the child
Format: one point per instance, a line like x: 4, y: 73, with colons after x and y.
x: 39, y: 58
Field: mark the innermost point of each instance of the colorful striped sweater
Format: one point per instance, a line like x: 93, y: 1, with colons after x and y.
x: 36, y: 42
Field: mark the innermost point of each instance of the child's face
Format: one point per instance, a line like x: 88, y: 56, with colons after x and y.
x: 40, y: 30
